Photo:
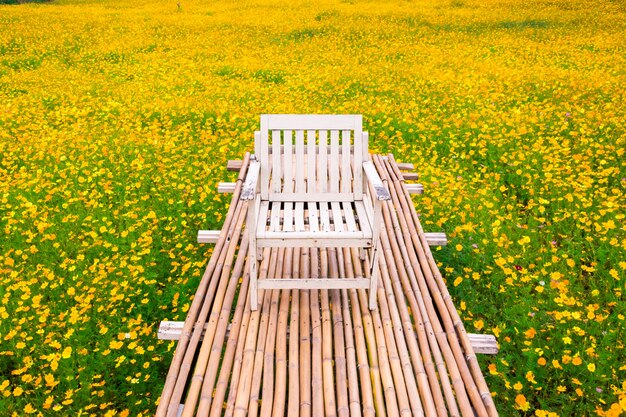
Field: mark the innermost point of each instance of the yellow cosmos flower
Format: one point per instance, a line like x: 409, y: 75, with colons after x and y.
x: 522, y: 403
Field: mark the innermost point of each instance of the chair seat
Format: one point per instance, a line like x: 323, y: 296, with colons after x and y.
x: 313, y: 224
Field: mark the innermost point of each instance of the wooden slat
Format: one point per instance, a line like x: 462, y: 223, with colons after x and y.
x: 291, y: 235
x: 348, y: 213
x: 405, y: 166
x: 311, y: 197
x: 287, y: 165
x: 313, y: 213
x: 369, y: 209
x: 375, y: 181
x: 211, y: 236
x: 365, y: 146
x: 364, y: 220
x: 337, y: 217
x: 324, y: 217
x: 485, y: 344
x: 234, y: 165
x: 262, y: 142
x: 248, y: 191
x: 300, y: 167
x: 357, y: 164
x: 311, y: 162
x: 346, y: 177
x: 410, y: 176
x: 275, y: 217
x: 288, y: 217
x: 322, y: 162
x: 314, y: 240
x: 262, y: 220
x: 319, y: 283
x: 311, y: 121
x: 415, y: 188
x: 333, y: 162
x: 436, y: 238
x: 299, y: 217
x: 306, y: 149
x: 229, y: 188
x: 276, y: 163
x: 208, y: 236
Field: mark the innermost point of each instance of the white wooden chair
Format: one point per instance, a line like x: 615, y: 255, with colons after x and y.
x: 307, y: 186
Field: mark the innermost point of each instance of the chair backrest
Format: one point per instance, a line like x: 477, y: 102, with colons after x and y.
x: 311, y: 157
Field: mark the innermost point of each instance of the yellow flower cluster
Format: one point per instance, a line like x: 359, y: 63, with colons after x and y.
x: 117, y: 119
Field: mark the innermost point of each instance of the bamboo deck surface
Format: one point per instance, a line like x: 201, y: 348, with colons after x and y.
x: 323, y: 352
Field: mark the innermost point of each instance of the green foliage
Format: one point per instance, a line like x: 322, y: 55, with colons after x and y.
x: 117, y: 119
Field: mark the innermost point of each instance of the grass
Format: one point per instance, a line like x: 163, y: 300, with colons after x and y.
x: 117, y: 119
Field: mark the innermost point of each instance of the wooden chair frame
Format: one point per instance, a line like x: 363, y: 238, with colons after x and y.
x: 313, y: 192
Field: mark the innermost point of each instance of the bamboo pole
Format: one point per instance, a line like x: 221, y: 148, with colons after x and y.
x: 470, y: 379
x: 350, y: 353
x: 393, y: 237
x: 256, y: 329
x: 316, y: 339
x: 293, y: 406
x: 393, y: 331
x: 233, y: 349
x: 232, y: 380
x: 305, y: 340
x: 418, y: 343
x: 263, y: 370
x: 440, y: 293
x: 364, y: 317
x: 446, y: 361
x: 387, y: 346
x: 458, y: 324
x: 355, y: 340
x: 341, y: 372
x: 280, y: 390
x: 377, y: 344
x: 210, y: 351
x: 249, y: 322
x: 166, y: 402
x: 224, y: 262
x: 330, y: 405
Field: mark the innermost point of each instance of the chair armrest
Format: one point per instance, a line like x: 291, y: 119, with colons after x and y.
x: 252, y: 179
x: 374, y: 179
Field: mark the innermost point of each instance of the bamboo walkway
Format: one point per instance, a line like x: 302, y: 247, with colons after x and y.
x: 313, y: 353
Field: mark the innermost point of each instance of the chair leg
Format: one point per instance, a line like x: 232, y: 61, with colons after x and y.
x: 373, y: 289
x: 252, y: 259
x: 252, y: 250
x: 253, y: 280
x: 373, y: 279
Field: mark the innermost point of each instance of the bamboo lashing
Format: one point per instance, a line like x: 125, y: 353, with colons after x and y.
x: 324, y: 352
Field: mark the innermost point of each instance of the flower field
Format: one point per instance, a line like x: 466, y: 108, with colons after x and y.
x: 117, y: 118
